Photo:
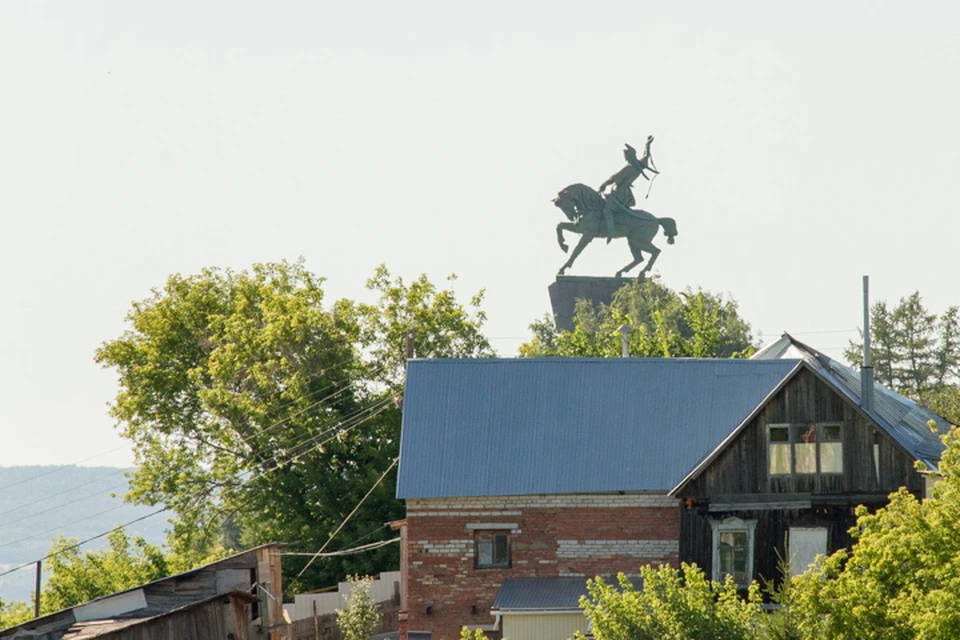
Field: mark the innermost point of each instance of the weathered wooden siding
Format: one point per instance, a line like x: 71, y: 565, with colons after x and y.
x: 742, y: 468
x: 543, y: 627
x: 696, y: 540
x: 197, y: 585
x: 223, y: 617
x: 738, y: 484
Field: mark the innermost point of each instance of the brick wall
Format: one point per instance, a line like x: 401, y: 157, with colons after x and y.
x: 550, y: 535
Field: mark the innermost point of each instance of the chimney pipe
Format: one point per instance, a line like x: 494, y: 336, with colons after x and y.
x: 866, y: 372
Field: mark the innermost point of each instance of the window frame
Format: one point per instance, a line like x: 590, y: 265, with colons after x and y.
x: 733, y: 525
x: 493, y: 535
x: 791, y: 428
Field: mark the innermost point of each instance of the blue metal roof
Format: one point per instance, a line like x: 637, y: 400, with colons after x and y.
x: 570, y: 425
x: 538, y: 594
x: 902, y: 418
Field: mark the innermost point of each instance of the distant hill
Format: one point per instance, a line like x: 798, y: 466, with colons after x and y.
x: 39, y: 502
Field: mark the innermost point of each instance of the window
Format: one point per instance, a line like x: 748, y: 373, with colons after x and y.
x: 876, y: 454
x: 805, y: 449
x: 779, y: 451
x: 805, y: 544
x: 733, y: 550
x: 492, y: 550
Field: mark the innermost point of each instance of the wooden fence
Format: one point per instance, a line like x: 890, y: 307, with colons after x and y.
x: 324, y: 627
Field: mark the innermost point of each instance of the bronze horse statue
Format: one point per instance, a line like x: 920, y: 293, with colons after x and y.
x: 583, y: 206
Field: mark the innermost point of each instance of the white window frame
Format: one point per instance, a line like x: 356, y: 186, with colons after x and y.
x: 728, y: 525
x: 791, y: 441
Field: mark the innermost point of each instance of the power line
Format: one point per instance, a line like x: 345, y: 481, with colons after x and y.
x: 297, y: 451
x: 344, y: 552
x: 61, y: 493
x: 267, y: 461
x: 350, y: 515
x: 63, y: 468
x: 77, y: 545
x: 5, y: 523
x: 57, y: 528
x: 376, y: 409
x: 59, y: 468
x: 266, y: 472
x: 809, y: 333
x: 318, y: 402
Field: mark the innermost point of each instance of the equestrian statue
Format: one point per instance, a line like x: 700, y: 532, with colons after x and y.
x: 593, y: 214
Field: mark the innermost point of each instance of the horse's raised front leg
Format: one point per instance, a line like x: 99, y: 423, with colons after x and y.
x: 560, y: 229
x: 584, y: 241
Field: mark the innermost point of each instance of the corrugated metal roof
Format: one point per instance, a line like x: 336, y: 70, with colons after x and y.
x: 537, y: 594
x: 570, y: 425
x: 903, y: 419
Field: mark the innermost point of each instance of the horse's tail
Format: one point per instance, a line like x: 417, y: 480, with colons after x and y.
x: 669, y: 226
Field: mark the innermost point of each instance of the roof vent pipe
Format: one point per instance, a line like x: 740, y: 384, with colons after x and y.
x: 866, y: 372
x: 624, y: 330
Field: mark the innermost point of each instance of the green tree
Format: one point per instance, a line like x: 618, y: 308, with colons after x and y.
x: 259, y: 413
x: 901, y: 578
x: 360, y: 618
x: 79, y: 577
x: 945, y: 401
x: 913, y: 351
x: 672, y: 605
x: 14, y: 613
x: 662, y: 323
x: 442, y: 326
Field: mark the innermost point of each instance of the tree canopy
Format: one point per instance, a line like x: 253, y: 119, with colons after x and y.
x: 915, y: 352
x: 901, y: 578
x: 663, y: 323
x: 77, y: 577
x: 258, y: 412
x: 899, y: 582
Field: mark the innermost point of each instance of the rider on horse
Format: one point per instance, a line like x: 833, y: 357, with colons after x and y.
x: 621, y: 197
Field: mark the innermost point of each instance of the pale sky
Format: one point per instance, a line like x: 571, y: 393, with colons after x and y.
x: 802, y: 145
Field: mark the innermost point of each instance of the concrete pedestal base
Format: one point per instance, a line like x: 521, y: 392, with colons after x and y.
x: 566, y: 290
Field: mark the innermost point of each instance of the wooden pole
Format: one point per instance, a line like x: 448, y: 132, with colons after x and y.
x: 410, y: 353
x: 36, y: 598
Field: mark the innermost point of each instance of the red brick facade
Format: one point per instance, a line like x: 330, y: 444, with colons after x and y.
x: 551, y: 535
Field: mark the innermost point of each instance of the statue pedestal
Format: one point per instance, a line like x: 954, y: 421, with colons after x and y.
x: 566, y: 290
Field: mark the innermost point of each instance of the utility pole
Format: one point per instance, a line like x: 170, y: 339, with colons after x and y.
x: 36, y: 597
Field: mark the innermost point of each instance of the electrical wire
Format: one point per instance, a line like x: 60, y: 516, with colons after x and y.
x: 57, y: 528
x: 77, y: 545
x: 344, y: 552
x: 376, y: 409
x: 63, y: 468
x: 58, y: 494
x: 266, y: 472
x: 59, y: 468
x: 350, y: 515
